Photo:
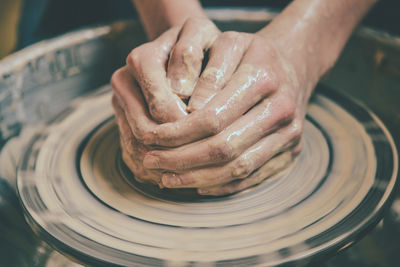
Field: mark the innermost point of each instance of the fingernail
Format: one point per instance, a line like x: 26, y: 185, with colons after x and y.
x: 171, y: 180
x: 151, y: 162
x: 203, y: 191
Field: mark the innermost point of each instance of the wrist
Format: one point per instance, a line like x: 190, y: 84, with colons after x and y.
x: 311, y: 33
x: 158, y: 16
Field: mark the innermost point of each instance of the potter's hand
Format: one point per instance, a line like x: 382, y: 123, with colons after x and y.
x: 249, y: 130
x: 133, y: 151
x: 246, y: 125
x: 163, y: 69
x: 168, y: 67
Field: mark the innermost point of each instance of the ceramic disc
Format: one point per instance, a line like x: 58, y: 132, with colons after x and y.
x: 82, y: 199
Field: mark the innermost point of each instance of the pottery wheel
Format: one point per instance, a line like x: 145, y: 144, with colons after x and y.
x: 81, y: 198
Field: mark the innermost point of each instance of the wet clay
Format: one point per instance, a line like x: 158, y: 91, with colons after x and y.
x: 74, y: 185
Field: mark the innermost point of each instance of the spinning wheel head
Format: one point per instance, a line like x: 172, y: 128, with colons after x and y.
x: 83, y: 200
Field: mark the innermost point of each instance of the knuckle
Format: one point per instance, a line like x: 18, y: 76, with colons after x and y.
x: 126, y: 157
x: 128, y: 144
x: 115, y: 104
x: 149, y: 137
x: 116, y: 78
x: 267, y: 82
x: 242, y: 169
x: 182, y: 165
x: 138, y: 55
x: 139, y: 179
x: 263, y: 48
x: 133, y: 59
x: 223, y: 190
x: 220, y: 152
x: 231, y: 35
x: 272, y: 81
x: 133, y: 166
x: 190, y: 22
x: 211, y: 78
x: 154, y: 108
x: 141, y: 133
x: 238, y: 38
x: 287, y: 107
x: 188, y: 52
x: 212, y: 124
x: 296, y: 129
x: 138, y: 133
x: 157, y: 111
x: 296, y: 151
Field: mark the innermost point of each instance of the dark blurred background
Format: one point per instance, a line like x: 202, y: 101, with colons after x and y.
x: 42, y: 19
x: 24, y: 22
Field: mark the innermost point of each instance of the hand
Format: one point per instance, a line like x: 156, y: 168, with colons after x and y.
x: 146, y: 75
x: 249, y: 130
x: 247, y: 105
x: 170, y: 66
x: 133, y: 151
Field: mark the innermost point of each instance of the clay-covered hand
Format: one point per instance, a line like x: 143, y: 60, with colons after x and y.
x: 167, y: 69
x: 248, y: 104
x: 157, y: 75
x: 133, y: 150
x: 247, y: 130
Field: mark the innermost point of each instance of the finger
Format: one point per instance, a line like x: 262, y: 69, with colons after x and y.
x: 224, y: 57
x: 271, y: 168
x: 252, y: 159
x: 132, y: 150
x: 186, y: 58
x: 125, y: 133
x: 247, y: 86
x: 134, y: 163
x: 131, y: 100
x: 147, y: 64
x: 263, y: 119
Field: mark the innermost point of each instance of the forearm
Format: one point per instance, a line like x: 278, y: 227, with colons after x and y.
x: 313, y: 33
x: 160, y: 15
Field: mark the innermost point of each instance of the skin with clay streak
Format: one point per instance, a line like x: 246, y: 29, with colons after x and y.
x: 246, y: 110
